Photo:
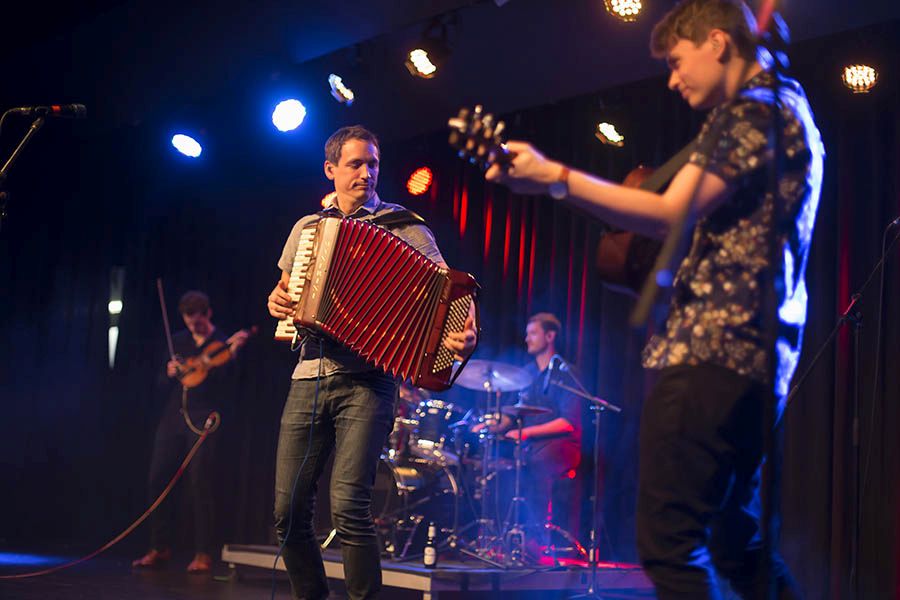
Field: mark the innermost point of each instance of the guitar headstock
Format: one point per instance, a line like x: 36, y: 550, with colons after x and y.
x: 478, y: 137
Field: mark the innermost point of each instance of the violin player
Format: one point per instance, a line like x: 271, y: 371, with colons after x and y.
x: 174, y: 437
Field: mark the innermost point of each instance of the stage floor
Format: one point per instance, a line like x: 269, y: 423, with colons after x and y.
x: 112, y: 578
x: 454, y: 579
x: 245, y: 573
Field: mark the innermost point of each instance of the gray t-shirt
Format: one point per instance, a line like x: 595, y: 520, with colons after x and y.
x: 335, y: 357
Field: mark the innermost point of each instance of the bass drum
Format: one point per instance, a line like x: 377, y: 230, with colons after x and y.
x: 408, y: 495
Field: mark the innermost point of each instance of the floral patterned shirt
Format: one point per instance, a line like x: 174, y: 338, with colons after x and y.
x: 716, y: 312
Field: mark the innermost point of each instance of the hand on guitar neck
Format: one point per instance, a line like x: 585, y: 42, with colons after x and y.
x: 624, y: 259
x: 479, y: 138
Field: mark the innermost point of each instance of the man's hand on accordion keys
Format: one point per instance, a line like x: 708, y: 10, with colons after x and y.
x: 280, y: 304
x: 462, y: 343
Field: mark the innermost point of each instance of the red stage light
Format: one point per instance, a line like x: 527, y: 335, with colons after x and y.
x: 419, y: 181
x: 571, y: 474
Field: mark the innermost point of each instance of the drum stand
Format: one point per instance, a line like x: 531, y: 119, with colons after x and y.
x: 514, y: 536
x: 487, y: 534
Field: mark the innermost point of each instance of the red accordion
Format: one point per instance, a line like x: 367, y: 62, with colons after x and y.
x: 371, y: 291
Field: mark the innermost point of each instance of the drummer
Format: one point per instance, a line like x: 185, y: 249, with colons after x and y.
x: 553, y: 439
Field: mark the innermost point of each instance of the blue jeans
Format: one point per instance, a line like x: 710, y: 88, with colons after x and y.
x: 353, y: 417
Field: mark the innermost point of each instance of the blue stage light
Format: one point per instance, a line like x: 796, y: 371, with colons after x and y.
x: 186, y: 145
x: 27, y: 560
x: 288, y: 115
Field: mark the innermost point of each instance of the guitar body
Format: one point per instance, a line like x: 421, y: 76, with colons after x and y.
x: 624, y: 258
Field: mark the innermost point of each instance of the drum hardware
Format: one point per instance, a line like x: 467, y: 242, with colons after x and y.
x: 598, y: 405
x: 432, y: 432
x: 514, y: 536
x: 430, y: 470
x: 493, y: 378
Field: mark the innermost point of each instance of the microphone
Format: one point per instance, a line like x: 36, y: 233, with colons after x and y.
x: 73, y: 111
x: 554, y: 361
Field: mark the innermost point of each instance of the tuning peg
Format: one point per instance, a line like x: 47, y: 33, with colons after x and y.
x: 498, y: 131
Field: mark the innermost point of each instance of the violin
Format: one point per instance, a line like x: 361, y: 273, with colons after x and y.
x: 193, y: 371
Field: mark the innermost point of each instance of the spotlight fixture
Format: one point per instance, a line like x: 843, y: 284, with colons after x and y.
x: 288, y: 115
x: 626, y: 10
x: 606, y: 133
x: 115, y: 306
x: 420, y: 63
x: 431, y: 51
x: 419, y: 181
x: 341, y: 92
x: 859, y: 78
x: 187, y: 145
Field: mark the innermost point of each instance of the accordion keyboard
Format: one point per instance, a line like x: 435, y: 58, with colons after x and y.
x: 285, y: 330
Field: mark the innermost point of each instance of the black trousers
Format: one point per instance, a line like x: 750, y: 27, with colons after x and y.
x: 698, y: 508
x: 171, y: 445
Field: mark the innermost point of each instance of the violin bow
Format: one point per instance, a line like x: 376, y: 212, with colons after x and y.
x: 165, y: 316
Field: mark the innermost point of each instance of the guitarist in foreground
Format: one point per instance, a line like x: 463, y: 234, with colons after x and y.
x: 701, y: 444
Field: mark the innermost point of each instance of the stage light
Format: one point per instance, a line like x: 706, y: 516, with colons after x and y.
x: 419, y: 181
x: 187, y: 145
x: 341, y: 93
x: 626, y: 10
x: 115, y: 306
x: 431, y: 51
x: 328, y: 199
x: 288, y: 115
x: 606, y: 133
x: 859, y: 78
x: 113, y: 343
x: 419, y: 63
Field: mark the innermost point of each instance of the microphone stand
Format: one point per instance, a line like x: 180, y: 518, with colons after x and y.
x: 597, y: 406
x: 4, y: 171
x: 851, y: 315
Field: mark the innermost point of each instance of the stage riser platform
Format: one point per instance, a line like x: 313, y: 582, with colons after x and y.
x: 454, y: 577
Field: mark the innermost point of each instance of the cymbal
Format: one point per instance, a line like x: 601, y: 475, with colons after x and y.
x: 523, y: 410
x: 493, y: 376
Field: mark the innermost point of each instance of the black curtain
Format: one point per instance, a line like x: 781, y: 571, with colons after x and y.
x: 75, y: 434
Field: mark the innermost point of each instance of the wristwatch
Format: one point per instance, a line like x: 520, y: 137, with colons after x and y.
x: 559, y: 189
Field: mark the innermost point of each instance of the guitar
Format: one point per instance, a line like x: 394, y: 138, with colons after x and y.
x: 623, y: 259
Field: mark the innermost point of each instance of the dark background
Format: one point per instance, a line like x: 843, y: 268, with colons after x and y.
x: 108, y: 192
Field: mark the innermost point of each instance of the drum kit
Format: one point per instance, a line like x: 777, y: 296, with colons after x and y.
x: 444, y: 465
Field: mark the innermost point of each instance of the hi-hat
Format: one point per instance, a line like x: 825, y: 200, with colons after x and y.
x: 492, y: 376
x: 524, y: 410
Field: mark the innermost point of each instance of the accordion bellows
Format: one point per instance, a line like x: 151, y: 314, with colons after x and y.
x: 371, y: 291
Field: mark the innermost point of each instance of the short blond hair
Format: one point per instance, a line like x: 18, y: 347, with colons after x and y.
x: 548, y: 322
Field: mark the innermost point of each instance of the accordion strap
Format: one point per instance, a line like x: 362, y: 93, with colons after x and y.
x: 391, y: 220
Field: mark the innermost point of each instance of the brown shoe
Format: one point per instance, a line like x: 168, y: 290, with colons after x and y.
x: 202, y: 563
x: 153, y: 559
